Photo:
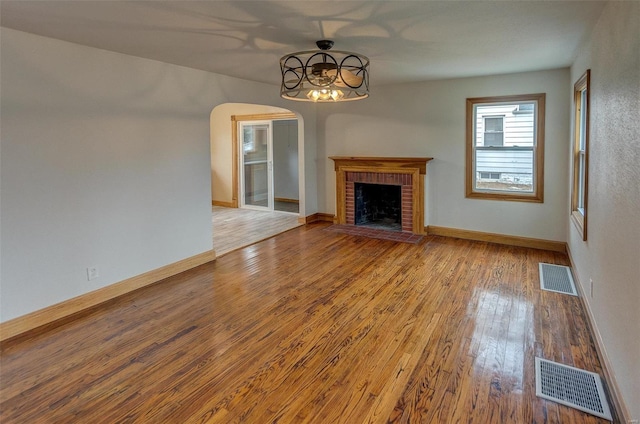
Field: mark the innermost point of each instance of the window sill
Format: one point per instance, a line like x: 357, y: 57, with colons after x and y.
x: 512, y: 197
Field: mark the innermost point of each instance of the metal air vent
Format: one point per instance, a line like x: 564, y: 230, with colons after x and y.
x: 572, y: 387
x: 557, y: 278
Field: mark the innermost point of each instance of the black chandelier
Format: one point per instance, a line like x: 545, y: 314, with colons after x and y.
x: 323, y: 76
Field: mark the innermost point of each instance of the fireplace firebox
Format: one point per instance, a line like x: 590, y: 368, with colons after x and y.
x: 378, y: 206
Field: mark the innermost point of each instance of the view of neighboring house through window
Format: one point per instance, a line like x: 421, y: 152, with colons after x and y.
x: 505, y: 147
x: 580, y: 154
x: 494, y: 130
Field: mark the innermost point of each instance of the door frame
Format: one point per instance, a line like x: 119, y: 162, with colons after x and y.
x: 268, y: 164
x: 235, y: 148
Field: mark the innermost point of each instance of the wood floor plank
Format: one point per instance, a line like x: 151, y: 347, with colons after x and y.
x: 234, y: 228
x: 313, y: 326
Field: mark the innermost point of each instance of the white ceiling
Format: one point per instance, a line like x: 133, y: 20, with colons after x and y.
x: 405, y: 40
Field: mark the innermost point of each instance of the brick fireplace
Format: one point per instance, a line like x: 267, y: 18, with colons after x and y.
x: 408, y: 173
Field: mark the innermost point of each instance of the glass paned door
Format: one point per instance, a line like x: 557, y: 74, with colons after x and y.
x: 256, y: 176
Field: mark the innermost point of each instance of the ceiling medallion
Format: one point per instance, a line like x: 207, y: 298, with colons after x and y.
x: 323, y: 76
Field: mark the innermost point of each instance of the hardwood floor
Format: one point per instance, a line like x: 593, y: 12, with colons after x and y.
x: 313, y: 326
x: 234, y: 228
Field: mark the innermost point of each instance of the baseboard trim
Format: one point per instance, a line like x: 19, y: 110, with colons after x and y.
x: 317, y: 217
x: 286, y: 200
x: 44, y: 319
x: 612, y: 384
x: 223, y: 204
x: 556, y: 246
x: 326, y: 217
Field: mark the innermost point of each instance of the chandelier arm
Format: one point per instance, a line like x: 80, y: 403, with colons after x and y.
x: 291, y: 69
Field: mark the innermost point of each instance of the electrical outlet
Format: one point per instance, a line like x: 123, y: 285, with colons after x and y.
x: 590, y: 287
x: 92, y: 273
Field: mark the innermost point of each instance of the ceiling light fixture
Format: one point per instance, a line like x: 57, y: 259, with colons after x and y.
x: 323, y: 76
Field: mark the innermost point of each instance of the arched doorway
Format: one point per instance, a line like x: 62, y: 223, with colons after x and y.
x: 237, y: 172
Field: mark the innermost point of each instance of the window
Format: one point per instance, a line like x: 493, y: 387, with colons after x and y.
x: 580, y: 153
x: 493, y: 131
x: 505, y: 148
x: 490, y: 175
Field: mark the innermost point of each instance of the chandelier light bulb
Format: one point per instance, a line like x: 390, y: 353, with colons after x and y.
x: 325, y: 95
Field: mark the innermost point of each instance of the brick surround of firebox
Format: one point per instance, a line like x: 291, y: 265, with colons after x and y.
x: 388, y: 178
x: 408, y: 173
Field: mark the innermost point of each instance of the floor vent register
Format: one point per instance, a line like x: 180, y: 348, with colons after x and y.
x: 572, y: 387
x: 557, y: 278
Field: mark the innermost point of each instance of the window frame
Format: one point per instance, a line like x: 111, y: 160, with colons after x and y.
x: 580, y: 180
x: 537, y: 195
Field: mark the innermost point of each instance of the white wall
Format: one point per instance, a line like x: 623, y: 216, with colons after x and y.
x: 221, y: 145
x: 611, y: 255
x: 428, y: 120
x: 106, y: 163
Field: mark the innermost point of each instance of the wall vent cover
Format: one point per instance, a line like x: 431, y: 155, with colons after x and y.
x: 557, y: 278
x: 572, y: 387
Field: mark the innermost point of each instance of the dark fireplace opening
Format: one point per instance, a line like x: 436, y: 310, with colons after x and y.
x: 378, y: 206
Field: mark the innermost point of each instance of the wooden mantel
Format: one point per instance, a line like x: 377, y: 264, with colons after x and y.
x: 396, y: 167
x: 381, y: 162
